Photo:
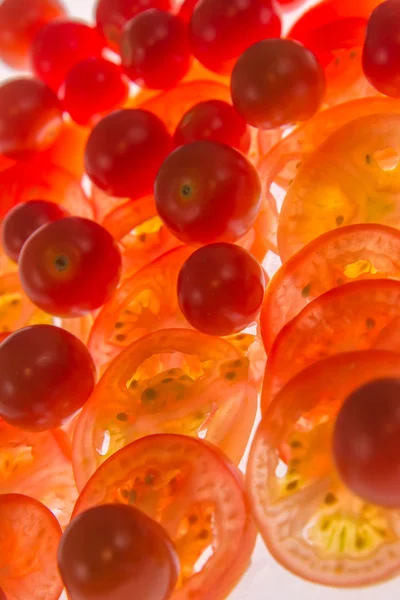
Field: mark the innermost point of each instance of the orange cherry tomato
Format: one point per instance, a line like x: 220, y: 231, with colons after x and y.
x: 191, y: 489
x: 29, y: 538
x: 310, y: 522
x: 171, y: 381
x: 339, y: 256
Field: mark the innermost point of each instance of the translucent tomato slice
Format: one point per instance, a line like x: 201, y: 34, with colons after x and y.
x: 29, y: 538
x: 171, y: 381
x: 310, y: 522
x: 190, y: 489
x: 68, y: 150
x: 354, y: 252
x: 353, y: 177
x: 356, y: 316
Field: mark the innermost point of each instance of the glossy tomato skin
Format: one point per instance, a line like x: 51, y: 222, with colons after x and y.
x: 91, y: 88
x: 70, y: 267
x: 46, y: 375
x: 23, y: 220
x: 124, y: 152
x: 94, y: 563
x: 30, y: 117
x: 213, y: 120
x: 366, y: 442
x: 277, y: 82
x: 156, y: 62
x: 221, y: 30
x: 220, y: 289
x: 207, y: 192
x: 113, y: 15
x: 20, y: 21
x: 59, y: 46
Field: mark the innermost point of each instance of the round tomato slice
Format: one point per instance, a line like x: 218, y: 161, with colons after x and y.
x: 356, y: 316
x: 171, y: 381
x: 39, y: 465
x: 16, y: 310
x: 196, y: 495
x: 310, y: 522
x: 353, y: 177
x: 29, y: 538
x: 354, y: 252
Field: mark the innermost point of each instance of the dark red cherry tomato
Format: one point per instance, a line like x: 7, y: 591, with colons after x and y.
x: 220, y: 30
x: 70, y: 267
x: 46, y: 375
x: 30, y: 117
x: 20, y: 21
x: 207, y: 192
x: 221, y: 289
x: 23, y: 220
x: 155, y: 49
x: 115, y: 552
x: 213, y: 120
x: 61, y: 44
x: 92, y: 87
x: 366, y: 442
x: 112, y: 16
x: 124, y: 152
x: 381, y: 62
x: 277, y: 82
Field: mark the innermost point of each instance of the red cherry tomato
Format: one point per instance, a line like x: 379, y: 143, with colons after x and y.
x: 29, y: 536
x: 70, y: 267
x: 191, y: 489
x: 186, y: 9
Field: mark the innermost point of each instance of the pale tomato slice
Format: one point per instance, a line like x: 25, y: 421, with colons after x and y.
x: 196, y: 495
x: 311, y: 523
x: 29, y: 538
x: 171, y: 381
x: 354, y: 252
x: 356, y: 316
x: 353, y: 177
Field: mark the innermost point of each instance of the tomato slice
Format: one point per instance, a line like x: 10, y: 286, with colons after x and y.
x: 171, y: 381
x: 16, y: 310
x: 192, y: 491
x: 39, y: 465
x: 68, y: 150
x: 356, y: 316
x: 310, y: 522
x: 353, y: 177
x: 354, y: 252
x: 29, y: 538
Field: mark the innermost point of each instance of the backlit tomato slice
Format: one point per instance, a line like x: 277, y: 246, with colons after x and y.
x: 16, y: 310
x: 310, y: 522
x: 29, y: 538
x: 356, y: 316
x: 171, y: 381
x: 196, y: 495
x: 354, y: 252
x: 353, y: 177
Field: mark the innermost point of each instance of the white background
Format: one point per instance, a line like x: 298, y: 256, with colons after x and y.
x: 265, y: 579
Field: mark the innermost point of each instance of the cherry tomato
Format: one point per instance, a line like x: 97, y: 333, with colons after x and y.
x: 124, y: 152
x: 160, y: 61
x: 30, y: 117
x: 220, y: 289
x: 29, y: 536
x: 93, y: 87
x: 20, y: 21
x: 277, y: 82
x: 192, y: 490
x: 207, y: 192
x: 186, y: 9
x: 23, y: 220
x: 213, y: 120
x: 70, y: 267
x: 354, y: 252
x: 221, y: 30
x: 311, y: 523
x: 61, y: 44
x: 355, y: 316
x: 113, y: 15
